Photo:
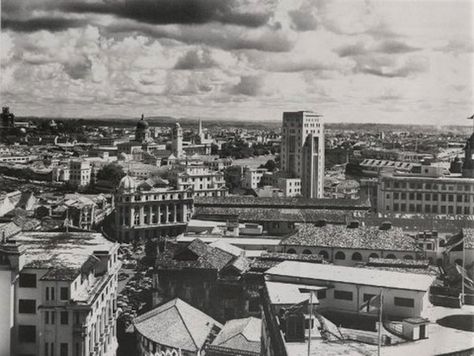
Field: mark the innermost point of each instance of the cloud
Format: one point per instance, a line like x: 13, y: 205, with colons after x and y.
x: 52, y: 24
x: 79, y: 68
x: 196, y: 59
x: 351, y: 50
x: 249, y: 85
x: 387, y: 67
x: 162, y: 12
x: 457, y: 47
x: 394, y: 47
x: 303, y: 19
x: 214, y: 35
x: 385, y: 46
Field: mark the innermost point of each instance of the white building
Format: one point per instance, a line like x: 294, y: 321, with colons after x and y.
x: 291, y: 187
x: 203, y: 181
x: 80, y: 173
x: 252, y: 177
x: 347, y: 288
x: 302, y: 150
x: 429, y: 191
x: 58, y: 294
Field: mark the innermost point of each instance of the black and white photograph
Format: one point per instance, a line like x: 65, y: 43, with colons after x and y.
x: 237, y: 177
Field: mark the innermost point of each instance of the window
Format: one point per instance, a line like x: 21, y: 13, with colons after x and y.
x: 26, y: 333
x: 321, y: 294
x: 291, y: 251
x: 64, y: 317
x: 63, y: 349
x: 27, y: 306
x: 368, y: 296
x: 342, y: 294
x: 50, y: 293
x: 324, y: 254
x: 356, y: 256
x: 64, y: 293
x: 404, y: 302
x: 27, y: 280
x: 307, y: 252
x: 373, y: 255
x: 391, y: 256
x: 340, y: 255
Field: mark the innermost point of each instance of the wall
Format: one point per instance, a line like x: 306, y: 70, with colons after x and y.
x: 6, y: 310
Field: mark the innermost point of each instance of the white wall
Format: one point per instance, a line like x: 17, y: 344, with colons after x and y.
x: 6, y: 311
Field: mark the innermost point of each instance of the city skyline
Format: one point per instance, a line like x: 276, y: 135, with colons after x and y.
x: 384, y: 62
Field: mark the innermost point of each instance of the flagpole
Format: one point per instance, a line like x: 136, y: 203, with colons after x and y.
x: 380, y: 324
x: 310, y: 312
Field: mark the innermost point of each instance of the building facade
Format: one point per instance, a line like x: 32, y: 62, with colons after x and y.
x: 302, y: 150
x: 144, y: 211
x: 252, y: 177
x: 425, y: 193
x: 200, y: 179
x: 80, y: 173
x: 59, y: 300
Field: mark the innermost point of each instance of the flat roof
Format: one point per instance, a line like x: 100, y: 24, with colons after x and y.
x: 289, y: 293
x: 353, y: 275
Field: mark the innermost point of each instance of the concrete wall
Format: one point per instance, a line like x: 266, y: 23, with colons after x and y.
x: 6, y: 310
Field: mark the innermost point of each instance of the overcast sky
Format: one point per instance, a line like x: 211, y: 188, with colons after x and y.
x: 352, y: 61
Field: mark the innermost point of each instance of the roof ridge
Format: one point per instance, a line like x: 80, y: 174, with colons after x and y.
x: 184, y: 323
x: 154, y: 312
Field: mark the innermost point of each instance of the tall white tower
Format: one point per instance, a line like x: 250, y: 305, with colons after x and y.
x: 177, y: 141
x: 302, y: 150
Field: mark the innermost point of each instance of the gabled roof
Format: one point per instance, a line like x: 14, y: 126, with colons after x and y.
x: 241, y: 334
x: 176, y: 324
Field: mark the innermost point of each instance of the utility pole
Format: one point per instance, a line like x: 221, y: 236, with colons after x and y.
x: 310, y: 312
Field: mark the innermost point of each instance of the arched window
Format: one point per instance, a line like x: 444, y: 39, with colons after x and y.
x: 323, y: 254
x: 291, y: 250
x: 458, y: 262
x: 391, y: 256
x: 340, y: 255
x: 407, y: 257
x: 307, y: 252
x: 356, y: 256
x: 373, y: 255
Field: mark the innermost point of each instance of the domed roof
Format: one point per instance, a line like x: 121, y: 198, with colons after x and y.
x: 142, y: 123
x: 127, y: 183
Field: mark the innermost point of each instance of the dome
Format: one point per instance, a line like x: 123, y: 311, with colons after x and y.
x: 142, y: 124
x: 127, y: 183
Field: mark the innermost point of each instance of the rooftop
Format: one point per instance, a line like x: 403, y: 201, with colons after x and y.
x: 352, y: 275
x: 362, y: 237
x: 468, y: 238
x: 241, y: 334
x: 281, y: 202
x: 62, y: 254
x: 176, y: 324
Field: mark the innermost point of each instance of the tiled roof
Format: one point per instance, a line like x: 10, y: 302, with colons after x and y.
x: 289, y: 214
x: 176, y: 324
x: 279, y: 202
x: 207, y: 257
x: 343, y: 237
x: 468, y: 238
x: 240, y: 334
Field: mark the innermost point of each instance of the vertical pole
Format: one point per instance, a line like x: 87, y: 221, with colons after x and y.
x: 310, y: 312
x: 380, y: 324
x: 463, y: 270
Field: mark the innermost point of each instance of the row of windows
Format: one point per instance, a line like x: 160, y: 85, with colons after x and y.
x: 50, y: 317
x: 430, y: 209
x: 428, y: 186
x: 63, y: 349
x: 398, y: 301
x: 356, y: 256
x: 63, y: 293
x: 428, y: 197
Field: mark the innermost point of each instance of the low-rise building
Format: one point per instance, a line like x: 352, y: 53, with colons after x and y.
x: 60, y: 291
x: 79, y: 173
x: 174, y: 328
x: 145, y: 209
x: 352, y: 244
x: 291, y: 187
x: 252, y: 176
x: 203, y: 181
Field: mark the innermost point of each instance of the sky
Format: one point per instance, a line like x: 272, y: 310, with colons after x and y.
x: 390, y: 61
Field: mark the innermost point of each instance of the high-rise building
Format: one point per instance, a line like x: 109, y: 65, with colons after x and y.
x: 302, y: 150
x: 177, y: 142
x: 58, y: 294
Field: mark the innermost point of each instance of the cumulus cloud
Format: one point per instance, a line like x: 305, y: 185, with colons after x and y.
x: 456, y: 47
x: 214, y: 35
x: 250, y: 85
x: 196, y: 59
x: 79, y: 68
x: 303, y: 19
x: 387, y: 67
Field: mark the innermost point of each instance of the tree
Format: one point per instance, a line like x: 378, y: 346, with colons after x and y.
x: 270, y: 165
x: 111, y: 172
